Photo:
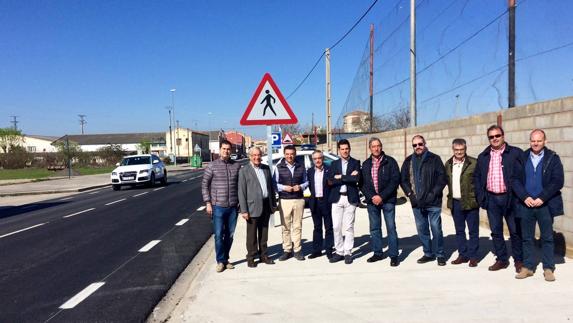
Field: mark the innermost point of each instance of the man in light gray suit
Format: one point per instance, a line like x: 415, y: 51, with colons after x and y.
x: 257, y: 202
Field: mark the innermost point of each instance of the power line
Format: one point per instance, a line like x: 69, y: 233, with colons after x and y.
x: 83, y: 121
x: 332, y: 47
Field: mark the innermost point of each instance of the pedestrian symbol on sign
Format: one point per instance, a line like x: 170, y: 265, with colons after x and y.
x: 268, y: 104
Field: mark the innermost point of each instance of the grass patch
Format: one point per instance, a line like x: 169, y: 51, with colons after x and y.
x: 25, y: 173
x: 94, y: 171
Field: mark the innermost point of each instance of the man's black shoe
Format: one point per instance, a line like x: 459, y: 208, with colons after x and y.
x: 425, y: 259
x: 267, y: 260
x: 394, y: 261
x: 298, y: 256
x: 251, y: 263
x: 285, y: 256
x: 441, y: 261
x: 315, y: 254
x: 328, y: 255
x: 335, y: 258
x: 375, y: 258
x: 348, y: 259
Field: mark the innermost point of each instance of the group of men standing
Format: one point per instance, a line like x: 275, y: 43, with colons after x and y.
x: 521, y: 187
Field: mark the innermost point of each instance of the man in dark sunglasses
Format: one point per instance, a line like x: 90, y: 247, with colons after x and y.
x: 493, y: 186
x: 423, y: 179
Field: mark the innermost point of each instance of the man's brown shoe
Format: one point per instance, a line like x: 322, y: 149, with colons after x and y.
x: 549, y: 275
x: 518, y: 265
x: 229, y: 266
x: 220, y: 267
x: 267, y: 260
x: 473, y: 263
x: 460, y: 260
x: 524, y: 273
x: 498, y: 265
x: 251, y: 263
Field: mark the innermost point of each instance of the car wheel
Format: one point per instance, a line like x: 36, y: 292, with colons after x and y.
x: 164, y: 179
x: 116, y: 187
x: 152, y: 180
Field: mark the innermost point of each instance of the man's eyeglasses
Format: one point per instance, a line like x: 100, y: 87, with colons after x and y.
x: 495, y: 136
x: 420, y: 144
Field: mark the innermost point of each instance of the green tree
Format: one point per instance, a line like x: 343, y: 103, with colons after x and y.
x: 67, y: 152
x: 10, y: 138
x: 111, y: 154
x: 144, y: 146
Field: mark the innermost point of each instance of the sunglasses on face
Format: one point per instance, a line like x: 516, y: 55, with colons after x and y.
x: 495, y: 136
x: 420, y: 144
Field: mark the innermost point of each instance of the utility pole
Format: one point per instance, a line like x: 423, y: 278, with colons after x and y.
x: 457, y: 110
x: 311, y: 129
x: 82, y: 121
x: 14, y: 122
x: 511, y: 56
x: 170, y: 132
x: 176, y: 129
x: 371, y: 76
x: 328, y: 125
x: 413, y: 122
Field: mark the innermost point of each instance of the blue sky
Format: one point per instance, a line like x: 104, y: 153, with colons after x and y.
x: 115, y: 61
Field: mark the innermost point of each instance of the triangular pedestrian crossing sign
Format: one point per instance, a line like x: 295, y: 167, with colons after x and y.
x: 287, y: 139
x: 268, y: 106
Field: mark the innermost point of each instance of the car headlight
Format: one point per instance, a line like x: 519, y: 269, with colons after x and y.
x: 113, y: 174
x: 144, y: 171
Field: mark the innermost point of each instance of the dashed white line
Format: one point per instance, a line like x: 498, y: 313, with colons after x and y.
x: 67, y: 198
x: 182, y: 222
x: 185, y: 180
x: 201, y: 208
x: 110, y: 203
x: 136, y: 195
x: 79, y: 297
x: 21, y: 230
x: 148, y: 246
x: 94, y: 192
x: 159, y: 188
x: 80, y: 212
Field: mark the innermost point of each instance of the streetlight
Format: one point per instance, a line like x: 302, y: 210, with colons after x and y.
x: 170, y: 132
x: 176, y: 130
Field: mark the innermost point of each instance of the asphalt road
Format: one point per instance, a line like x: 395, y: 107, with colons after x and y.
x: 100, y: 255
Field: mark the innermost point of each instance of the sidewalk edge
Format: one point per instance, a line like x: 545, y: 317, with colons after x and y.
x: 72, y: 190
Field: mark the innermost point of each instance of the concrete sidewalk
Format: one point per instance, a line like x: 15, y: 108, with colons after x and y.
x: 316, y: 291
x: 66, y: 185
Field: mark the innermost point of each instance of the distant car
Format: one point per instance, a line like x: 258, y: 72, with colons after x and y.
x: 139, y: 169
x: 305, y: 157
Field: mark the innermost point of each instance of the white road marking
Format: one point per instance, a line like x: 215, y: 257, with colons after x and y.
x: 94, y: 192
x: 182, y: 222
x: 110, y: 203
x: 67, y: 198
x: 79, y: 297
x: 21, y: 230
x: 201, y: 208
x: 185, y: 180
x: 80, y: 212
x: 148, y: 246
x: 159, y: 188
x: 136, y: 195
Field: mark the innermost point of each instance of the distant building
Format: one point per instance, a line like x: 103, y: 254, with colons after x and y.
x: 215, y: 138
x: 237, y: 140
x: 185, y: 142
x: 129, y: 142
x: 39, y: 144
x: 356, y: 121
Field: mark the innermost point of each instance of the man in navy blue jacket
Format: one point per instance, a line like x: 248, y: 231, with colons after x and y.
x: 380, y: 181
x: 319, y: 206
x: 344, y: 181
x: 493, y: 187
x: 537, y: 183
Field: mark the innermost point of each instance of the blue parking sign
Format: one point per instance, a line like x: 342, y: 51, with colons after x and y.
x: 277, y: 139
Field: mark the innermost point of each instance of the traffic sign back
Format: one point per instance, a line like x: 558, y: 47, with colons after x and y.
x: 268, y: 106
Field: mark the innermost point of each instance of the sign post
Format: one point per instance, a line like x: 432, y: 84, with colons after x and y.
x: 268, y: 107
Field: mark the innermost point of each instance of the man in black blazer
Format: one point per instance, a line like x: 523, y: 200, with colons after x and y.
x: 380, y: 181
x: 319, y: 206
x: 344, y: 181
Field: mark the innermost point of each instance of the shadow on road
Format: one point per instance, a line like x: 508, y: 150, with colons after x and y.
x: 8, y: 211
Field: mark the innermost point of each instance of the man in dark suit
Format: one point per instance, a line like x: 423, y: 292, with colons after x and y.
x: 344, y: 181
x: 380, y: 181
x: 537, y: 183
x: 257, y: 202
x: 320, y: 207
x: 493, y: 187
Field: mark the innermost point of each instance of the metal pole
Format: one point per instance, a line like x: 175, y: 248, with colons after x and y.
x: 68, y: 155
x: 176, y: 135
x: 371, y: 76
x: 311, y: 129
x: 413, y: 121
x: 170, y: 133
x: 270, y: 162
x: 511, y: 56
x: 328, y: 125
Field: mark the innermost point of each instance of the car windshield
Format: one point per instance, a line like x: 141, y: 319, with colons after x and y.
x: 135, y: 161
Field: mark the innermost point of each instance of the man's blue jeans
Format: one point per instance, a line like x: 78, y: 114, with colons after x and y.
x: 224, y: 223
x: 389, y: 211
x: 497, y: 210
x: 430, y: 218
x: 542, y: 216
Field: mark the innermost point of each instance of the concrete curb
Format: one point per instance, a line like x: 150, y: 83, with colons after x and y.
x: 167, y: 307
